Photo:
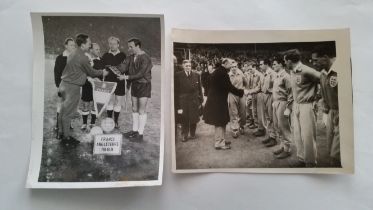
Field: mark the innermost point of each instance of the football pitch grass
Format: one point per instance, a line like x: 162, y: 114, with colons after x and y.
x: 139, y: 161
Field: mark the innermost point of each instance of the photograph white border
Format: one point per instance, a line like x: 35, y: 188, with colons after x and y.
x: 343, y: 50
x: 38, y: 107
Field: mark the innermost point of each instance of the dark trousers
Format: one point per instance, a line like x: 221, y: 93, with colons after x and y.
x: 187, y: 127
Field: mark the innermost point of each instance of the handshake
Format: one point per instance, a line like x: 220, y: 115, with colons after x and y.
x: 247, y: 92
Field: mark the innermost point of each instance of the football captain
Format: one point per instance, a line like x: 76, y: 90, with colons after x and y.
x: 138, y: 67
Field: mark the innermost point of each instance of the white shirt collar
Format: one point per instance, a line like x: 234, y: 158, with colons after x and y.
x: 141, y: 52
x: 89, y: 56
x: 298, y: 67
x: 65, y: 53
x: 281, y: 72
x: 96, y: 58
x: 333, y: 67
x: 114, y: 53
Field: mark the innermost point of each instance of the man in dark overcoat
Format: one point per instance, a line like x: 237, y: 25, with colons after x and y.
x: 216, y: 111
x: 188, y: 99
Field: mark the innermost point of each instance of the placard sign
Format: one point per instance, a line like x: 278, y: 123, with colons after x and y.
x: 107, y: 144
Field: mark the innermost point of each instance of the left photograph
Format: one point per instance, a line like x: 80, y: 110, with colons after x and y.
x: 97, y: 119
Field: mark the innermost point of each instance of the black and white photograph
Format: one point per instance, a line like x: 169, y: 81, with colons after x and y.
x: 97, y: 102
x: 271, y: 104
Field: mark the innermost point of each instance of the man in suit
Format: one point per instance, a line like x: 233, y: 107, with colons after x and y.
x: 216, y: 111
x: 205, y: 77
x: 73, y: 77
x: 188, y: 99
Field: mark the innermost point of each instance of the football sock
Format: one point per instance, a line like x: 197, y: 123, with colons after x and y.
x: 93, y: 118
x: 135, y: 121
x: 109, y: 113
x: 142, y: 122
x: 116, y: 116
x: 85, y: 117
x: 57, y: 119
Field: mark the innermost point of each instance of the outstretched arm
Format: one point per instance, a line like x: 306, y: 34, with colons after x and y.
x: 90, y: 71
x: 145, y: 66
x: 226, y: 83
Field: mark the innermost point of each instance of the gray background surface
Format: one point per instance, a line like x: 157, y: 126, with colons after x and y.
x: 200, y: 191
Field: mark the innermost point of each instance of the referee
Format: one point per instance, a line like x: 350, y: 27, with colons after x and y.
x: 114, y: 57
x: 58, y: 69
x: 73, y: 77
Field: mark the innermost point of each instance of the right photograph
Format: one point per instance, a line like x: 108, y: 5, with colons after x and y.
x: 262, y: 101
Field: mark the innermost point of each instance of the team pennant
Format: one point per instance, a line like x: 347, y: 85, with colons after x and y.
x: 102, y: 92
x: 115, y: 70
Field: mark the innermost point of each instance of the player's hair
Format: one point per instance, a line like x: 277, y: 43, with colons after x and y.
x: 293, y: 55
x: 67, y: 40
x: 279, y: 60
x: 224, y: 60
x: 325, y: 49
x: 266, y: 61
x: 187, y: 61
x: 114, y: 38
x: 81, y: 39
x: 93, y: 44
x: 174, y: 58
x: 250, y: 63
x: 136, y: 41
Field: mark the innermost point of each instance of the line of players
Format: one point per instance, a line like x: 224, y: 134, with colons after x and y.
x: 279, y: 101
x: 135, y: 69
